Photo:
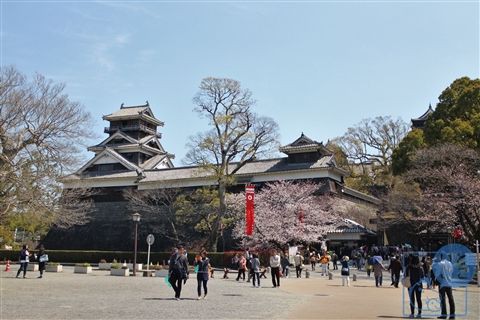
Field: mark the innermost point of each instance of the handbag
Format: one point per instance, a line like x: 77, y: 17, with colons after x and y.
x: 406, y: 282
x: 43, y: 258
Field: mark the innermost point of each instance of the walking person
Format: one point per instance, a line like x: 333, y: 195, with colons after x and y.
x: 395, y: 267
x: 443, y: 271
x: 415, y: 272
x: 298, y: 259
x: 427, y: 270
x: 178, y: 270
x: 334, y: 261
x: 202, y: 262
x: 345, y: 271
x: 42, y: 260
x: 275, y: 268
x: 313, y: 259
x: 378, y: 269
x: 255, y: 270
x: 242, y: 267
x: 285, y: 265
x: 24, y: 259
x: 369, y: 266
x: 248, y: 257
x: 324, y: 263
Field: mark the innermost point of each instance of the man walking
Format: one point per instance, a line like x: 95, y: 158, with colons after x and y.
x: 275, y: 267
x: 178, y: 270
x: 443, y: 271
x: 395, y: 267
x: 298, y: 259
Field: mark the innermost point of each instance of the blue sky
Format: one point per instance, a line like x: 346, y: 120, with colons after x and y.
x: 316, y: 67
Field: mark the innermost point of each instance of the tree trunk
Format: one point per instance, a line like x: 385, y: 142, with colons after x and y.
x: 214, y: 236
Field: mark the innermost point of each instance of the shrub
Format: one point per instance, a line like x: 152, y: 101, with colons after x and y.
x: 103, y: 261
x: 217, y: 259
x: 85, y: 264
x: 116, y: 266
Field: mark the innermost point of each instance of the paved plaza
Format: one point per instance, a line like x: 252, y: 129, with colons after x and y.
x: 101, y: 296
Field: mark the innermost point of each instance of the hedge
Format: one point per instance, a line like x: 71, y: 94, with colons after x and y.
x: 217, y: 259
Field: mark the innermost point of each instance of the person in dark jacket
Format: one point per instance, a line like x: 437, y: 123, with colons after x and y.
x: 285, y: 264
x: 202, y: 262
x: 178, y: 270
x: 42, y: 260
x: 24, y: 259
x: 395, y: 267
x: 415, y: 272
x: 345, y: 271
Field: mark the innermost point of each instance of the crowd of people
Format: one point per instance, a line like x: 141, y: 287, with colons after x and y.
x: 417, y: 272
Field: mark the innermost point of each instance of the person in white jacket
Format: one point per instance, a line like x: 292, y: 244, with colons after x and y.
x: 275, y: 267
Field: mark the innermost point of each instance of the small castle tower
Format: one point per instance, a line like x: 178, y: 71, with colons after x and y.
x: 419, y: 123
x: 133, y: 143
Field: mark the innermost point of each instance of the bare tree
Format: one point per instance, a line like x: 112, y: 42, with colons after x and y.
x: 160, y: 204
x: 40, y: 129
x: 370, y: 145
x: 237, y: 135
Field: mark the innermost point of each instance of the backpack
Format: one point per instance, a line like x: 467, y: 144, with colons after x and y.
x: 178, y: 268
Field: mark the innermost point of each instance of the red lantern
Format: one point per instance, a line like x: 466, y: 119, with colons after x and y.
x: 457, y: 233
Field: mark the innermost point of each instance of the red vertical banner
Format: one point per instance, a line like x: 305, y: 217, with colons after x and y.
x: 249, y: 209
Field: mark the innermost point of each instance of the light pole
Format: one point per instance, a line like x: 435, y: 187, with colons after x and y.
x: 136, y: 220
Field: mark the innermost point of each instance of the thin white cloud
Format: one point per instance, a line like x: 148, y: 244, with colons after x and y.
x: 122, y: 39
x: 145, y: 56
x: 100, y: 49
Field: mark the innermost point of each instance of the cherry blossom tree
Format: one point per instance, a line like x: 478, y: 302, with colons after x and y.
x: 439, y: 192
x: 285, y: 213
x: 449, y: 176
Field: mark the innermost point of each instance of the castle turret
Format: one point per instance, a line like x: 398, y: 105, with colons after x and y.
x: 133, y: 143
x: 419, y: 123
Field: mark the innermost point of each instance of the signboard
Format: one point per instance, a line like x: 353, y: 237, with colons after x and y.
x: 150, y: 239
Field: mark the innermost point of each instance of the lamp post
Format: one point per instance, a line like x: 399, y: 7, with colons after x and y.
x: 136, y: 220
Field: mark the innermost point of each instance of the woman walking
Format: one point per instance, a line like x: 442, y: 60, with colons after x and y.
x: 42, y: 260
x: 285, y: 265
x: 345, y: 271
x: 415, y: 272
x: 242, y: 266
x: 202, y: 262
x: 24, y: 259
x: 313, y: 259
x: 255, y: 270
x: 378, y: 269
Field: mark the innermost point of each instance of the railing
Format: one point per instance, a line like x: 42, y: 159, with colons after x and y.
x: 137, y: 127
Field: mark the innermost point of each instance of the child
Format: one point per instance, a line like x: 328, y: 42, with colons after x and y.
x: 255, y: 270
x: 345, y: 271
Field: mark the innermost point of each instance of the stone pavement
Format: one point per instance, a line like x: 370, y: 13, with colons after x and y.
x: 101, y: 296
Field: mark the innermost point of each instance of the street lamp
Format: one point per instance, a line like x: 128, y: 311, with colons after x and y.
x: 136, y: 220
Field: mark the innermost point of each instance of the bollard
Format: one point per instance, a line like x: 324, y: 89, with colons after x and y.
x: 354, y: 277
x: 330, y: 275
x: 307, y: 273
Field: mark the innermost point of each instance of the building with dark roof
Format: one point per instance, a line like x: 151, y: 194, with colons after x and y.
x: 132, y: 158
x: 419, y: 123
